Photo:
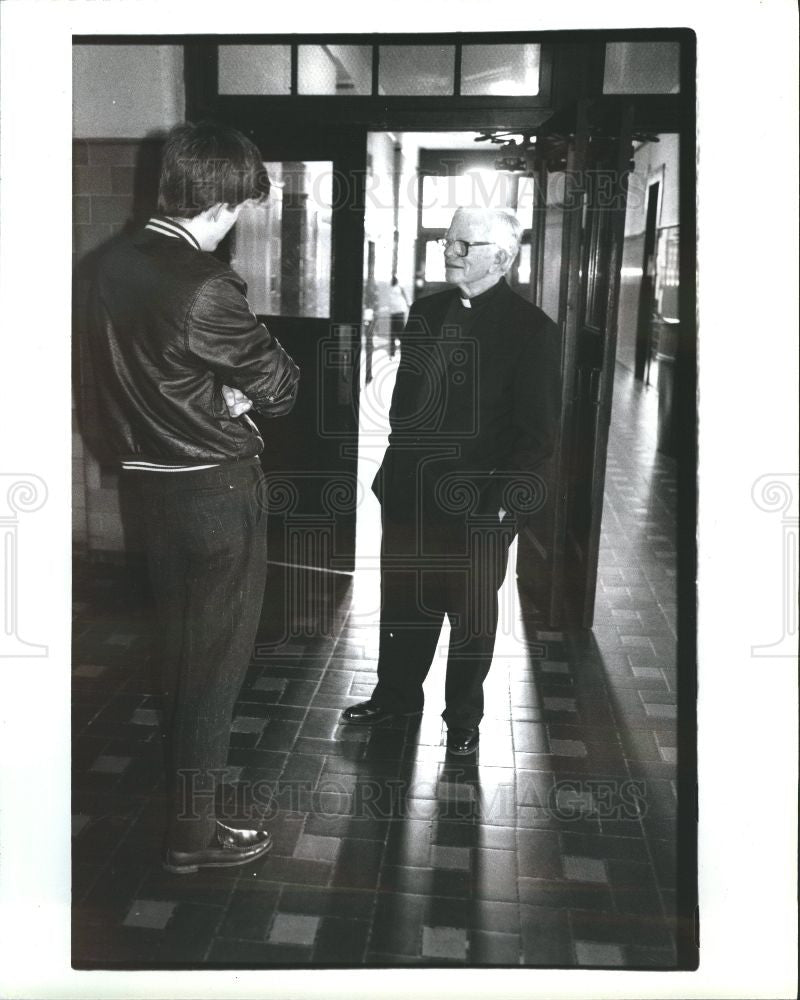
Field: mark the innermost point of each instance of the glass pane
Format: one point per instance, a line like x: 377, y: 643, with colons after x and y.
x: 421, y: 70
x: 642, y: 68
x: 441, y: 196
x: 334, y: 69
x: 283, y: 250
x: 551, y: 251
x: 667, y: 274
x: 524, y: 264
x: 526, y: 200
x: 500, y: 69
x: 254, y: 69
x: 434, y: 262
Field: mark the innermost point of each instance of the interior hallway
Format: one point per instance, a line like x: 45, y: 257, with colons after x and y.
x: 556, y: 847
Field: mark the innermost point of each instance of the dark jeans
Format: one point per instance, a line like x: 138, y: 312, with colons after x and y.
x: 431, y: 569
x: 206, y: 546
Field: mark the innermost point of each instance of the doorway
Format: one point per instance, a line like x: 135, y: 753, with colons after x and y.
x: 567, y: 265
x: 301, y: 258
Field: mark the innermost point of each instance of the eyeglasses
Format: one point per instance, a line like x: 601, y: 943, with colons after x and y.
x: 461, y: 247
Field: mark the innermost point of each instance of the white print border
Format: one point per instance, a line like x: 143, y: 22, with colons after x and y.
x: 778, y: 493
x: 20, y: 493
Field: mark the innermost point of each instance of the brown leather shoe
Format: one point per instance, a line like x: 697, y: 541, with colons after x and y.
x: 230, y: 847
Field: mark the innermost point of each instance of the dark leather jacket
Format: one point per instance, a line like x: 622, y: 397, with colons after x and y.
x: 168, y: 326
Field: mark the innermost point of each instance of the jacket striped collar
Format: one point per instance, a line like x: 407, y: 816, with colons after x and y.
x: 167, y: 227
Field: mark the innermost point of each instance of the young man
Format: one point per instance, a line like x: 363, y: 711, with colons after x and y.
x: 474, y: 413
x: 179, y: 359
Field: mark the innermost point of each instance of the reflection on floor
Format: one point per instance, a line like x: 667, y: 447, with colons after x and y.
x: 555, y: 848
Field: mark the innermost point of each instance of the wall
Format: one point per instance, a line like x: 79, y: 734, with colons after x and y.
x: 121, y: 95
x: 126, y: 91
x: 654, y: 161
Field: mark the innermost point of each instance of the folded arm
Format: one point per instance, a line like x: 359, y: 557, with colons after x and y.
x: 223, y: 333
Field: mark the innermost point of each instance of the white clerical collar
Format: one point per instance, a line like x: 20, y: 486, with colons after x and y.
x: 466, y: 303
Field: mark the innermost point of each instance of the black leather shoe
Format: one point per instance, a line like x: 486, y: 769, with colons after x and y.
x: 230, y: 847
x: 462, y: 741
x: 366, y: 713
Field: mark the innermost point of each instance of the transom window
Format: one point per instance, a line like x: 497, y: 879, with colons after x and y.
x: 378, y: 70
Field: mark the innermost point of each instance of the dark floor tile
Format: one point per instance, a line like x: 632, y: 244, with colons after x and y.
x: 665, y: 862
x: 353, y: 761
x: 389, y: 960
x: 452, y: 882
x: 103, y: 944
x: 249, y: 911
x: 643, y: 957
x: 358, y: 864
x: 409, y: 843
x: 286, y: 713
x: 565, y: 894
x: 624, y: 848
x: 187, y: 937
x: 208, y: 887
x: 490, y: 915
x: 660, y: 827
x: 324, y: 901
x: 442, y: 911
x: 301, y: 768
x: 452, y: 833
x: 321, y: 724
x: 298, y: 692
x: 352, y: 827
x: 341, y: 942
x: 387, y: 743
x: 407, y: 880
x: 269, y: 761
x: 230, y: 953
x: 114, y: 890
x: 565, y: 817
x: 83, y: 878
x: 621, y: 828
x: 634, y: 887
x: 546, y: 939
x: 336, y: 680
x: 491, y: 948
x: 590, y: 925
x: 101, y: 835
x: 535, y: 787
x: 539, y: 854
x: 279, y: 735
x: 397, y: 928
x: 348, y: 749
x: 285, y: 829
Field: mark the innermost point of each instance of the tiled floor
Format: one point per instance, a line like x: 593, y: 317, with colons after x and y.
x: 555, y: 848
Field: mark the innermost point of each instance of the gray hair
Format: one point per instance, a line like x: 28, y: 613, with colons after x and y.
x: 503, y: 228
x: 506, y: 231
